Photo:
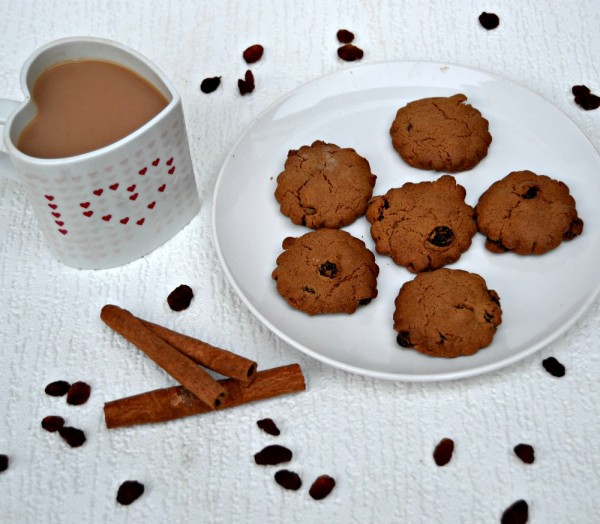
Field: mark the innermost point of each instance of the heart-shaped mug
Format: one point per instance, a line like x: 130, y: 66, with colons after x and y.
x: 112, y: 205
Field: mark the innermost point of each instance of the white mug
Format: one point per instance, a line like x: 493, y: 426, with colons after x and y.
x: 110, y: 206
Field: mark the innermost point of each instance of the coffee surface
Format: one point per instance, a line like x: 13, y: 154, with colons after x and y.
x: 84, y: 105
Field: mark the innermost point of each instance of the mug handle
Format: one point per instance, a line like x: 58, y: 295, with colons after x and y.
x: 6, y: 167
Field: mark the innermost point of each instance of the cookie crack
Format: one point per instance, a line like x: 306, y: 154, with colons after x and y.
x: 324, y: 176
x: 464, y: 305
x: 461, y: 123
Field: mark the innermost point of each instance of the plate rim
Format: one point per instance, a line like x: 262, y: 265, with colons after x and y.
x: 389, y: 376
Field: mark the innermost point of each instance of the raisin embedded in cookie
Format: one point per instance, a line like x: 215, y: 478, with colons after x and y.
x: 326, y: 271
x: 527, y: 213
x: 422, y: 226
x: 446, y: 313
x: 324, y: 186
x: 441, y: 133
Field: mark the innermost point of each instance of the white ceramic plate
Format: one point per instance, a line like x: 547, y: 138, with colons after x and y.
x: 541, y: 296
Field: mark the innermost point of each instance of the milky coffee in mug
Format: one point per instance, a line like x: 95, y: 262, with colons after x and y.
x: 83, y: 105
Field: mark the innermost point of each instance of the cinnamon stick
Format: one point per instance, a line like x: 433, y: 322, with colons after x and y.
x: 181, y: 368
x: 172, y: 403
x: 216, y: 359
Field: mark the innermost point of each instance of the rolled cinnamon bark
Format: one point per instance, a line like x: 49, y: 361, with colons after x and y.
x: 180, y: 367
x: 216, y: 359
x: 172, y: 403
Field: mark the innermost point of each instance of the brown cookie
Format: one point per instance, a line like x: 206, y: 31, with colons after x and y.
x: 527, y: 213
x: 422, y: 226
x: 326, y: 271
x: 446, y: 313
x: 441, y: 133
x: 324, y: 186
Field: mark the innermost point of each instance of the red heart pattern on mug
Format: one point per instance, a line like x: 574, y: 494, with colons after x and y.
x: 100, y: 197
x: 56, y: 214
x: 100, y: 194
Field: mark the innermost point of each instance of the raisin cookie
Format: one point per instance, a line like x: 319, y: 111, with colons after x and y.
x: 324, y: 186
x: 326, y: 271
x: 446, y: 313
x: 422, y: 226
x: 527, y: 213
x: 441, y: 133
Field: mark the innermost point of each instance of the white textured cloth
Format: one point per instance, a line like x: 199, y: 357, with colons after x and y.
x: 374, y: 437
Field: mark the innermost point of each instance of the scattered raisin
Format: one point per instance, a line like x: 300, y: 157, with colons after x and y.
x: 246, y: 85
x: 517, y: 513
x: 308, y: 289
x: 53, y: 423
x: 350, y: 53
x: 268, y: 426
x: 180, y: 298
x: 272, y: 455
x: 554, y: 367
x: 364, y: 301
x: 208, y: 85
x: 129, y: 491
x: 78, y: 393
x: 585, y: 98
x: 3, y: 463
x: 253, y: 53
x: 588, y: 102
x: 489, y: 20
x: 525, y: 452
x: 443, y: 451
x: 580, y: 90
x: 57, y: 388
x: 403, y: 339
x: 328, y: 269
x: 73, y: 436
x: 441, y: 236
x: 321, y: 487
x: 344, y: 36
x: 288, y: 479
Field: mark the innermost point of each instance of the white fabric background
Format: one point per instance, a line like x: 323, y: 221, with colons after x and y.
x: 374, y: 437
